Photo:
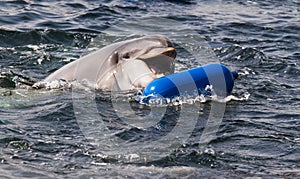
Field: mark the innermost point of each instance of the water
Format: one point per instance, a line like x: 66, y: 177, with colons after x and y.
x: 42, y: 134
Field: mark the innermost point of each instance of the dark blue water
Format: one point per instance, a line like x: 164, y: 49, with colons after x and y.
x: 43, y: 133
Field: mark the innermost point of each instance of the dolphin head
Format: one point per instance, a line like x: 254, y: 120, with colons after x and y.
x: 137, y: 62
x: 121, y: 66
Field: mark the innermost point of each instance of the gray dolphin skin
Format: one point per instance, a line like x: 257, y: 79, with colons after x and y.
x: 124, y: 65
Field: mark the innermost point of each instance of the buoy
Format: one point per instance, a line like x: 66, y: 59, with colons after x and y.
x: 192, y: 81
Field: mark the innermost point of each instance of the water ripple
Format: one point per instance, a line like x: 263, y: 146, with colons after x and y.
x: 259, y: 134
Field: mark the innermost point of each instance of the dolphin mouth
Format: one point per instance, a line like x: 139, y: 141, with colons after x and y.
x: 160, y: 60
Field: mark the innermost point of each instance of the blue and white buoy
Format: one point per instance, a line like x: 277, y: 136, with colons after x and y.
x: 190, y: 81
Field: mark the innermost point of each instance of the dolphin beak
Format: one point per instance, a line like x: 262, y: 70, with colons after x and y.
x: 160, y: 61
x: 168, y: 51
x: 147, y: 67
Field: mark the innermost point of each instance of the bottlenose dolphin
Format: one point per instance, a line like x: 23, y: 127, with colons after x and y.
x: 124, y: 65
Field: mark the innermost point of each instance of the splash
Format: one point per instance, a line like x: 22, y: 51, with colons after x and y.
x: 191, y: 98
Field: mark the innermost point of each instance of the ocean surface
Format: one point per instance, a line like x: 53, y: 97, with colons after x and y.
x: 255, y: 132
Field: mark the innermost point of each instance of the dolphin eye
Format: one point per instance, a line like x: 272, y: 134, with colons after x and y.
x: 126, y: 56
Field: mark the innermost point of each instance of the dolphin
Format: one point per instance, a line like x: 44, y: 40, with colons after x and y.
x: 124, y: 65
